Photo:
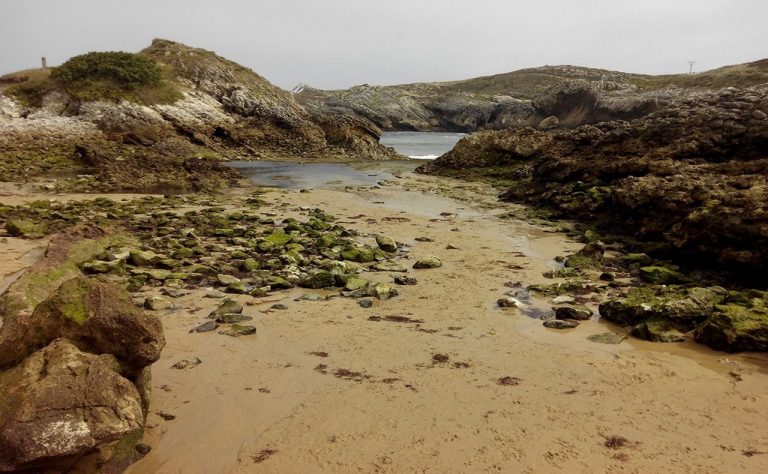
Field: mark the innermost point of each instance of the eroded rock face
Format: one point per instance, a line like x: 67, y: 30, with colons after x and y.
x: 97, y: 316
x: 60, y: 404
x: 693, y: 174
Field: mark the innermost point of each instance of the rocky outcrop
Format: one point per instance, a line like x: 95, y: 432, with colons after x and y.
x: 61, y: 404
x: 74, y: 366
x: 548, y: 97
x: 223, y: 111
x: 692, y: 176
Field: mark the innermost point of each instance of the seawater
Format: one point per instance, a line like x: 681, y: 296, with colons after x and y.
x: 421, y: 145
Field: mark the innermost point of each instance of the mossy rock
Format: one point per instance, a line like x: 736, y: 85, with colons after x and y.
x: 735, y: 328
x: 657, y: 329
x: 577, y: 312
x: 662, y: 276
x: 25, y: 228
x: 386, y: 243
x: 278, y: 238
x: 428, y: 262
x: 636, y: 259
x: 589, y: 257
x: 319, y: 279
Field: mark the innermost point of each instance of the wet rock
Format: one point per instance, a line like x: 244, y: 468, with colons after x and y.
x: 388, y: 266
x: 205, y: 327
x: 143, y: 448
x: 365, y: 303
x: 608, y: 276
x: 561, y: 273
x: 237, y: 330
x: 226, y: 280
x: 99, y: 315
x: 25, y: 228
x: 228, y: 306
x: 589, y: 257
x: 735, y: 328
x: 356, y: 283
x: 382, y: 291
x: 278, y: 283
x: 560, y: 324
x: 507, y: 302
x: 187, y: 363
x: 142, y: 258
x: 214, y: 294
x: 636, y: 259
x: 579, y: 312
x: 60, y: 404
x: 100, y: 266
x: 657, y: 330
x: 607, y: 338
x: 563, y: 299
x: 386, y: 243
x: 231, y: 318
x: 238, y: 287
x: 423, y: 239
x: 428, y: 262
x: 662, y: 276
x: 404, y: 280
x: 319, y: 279
x: 157, y: 303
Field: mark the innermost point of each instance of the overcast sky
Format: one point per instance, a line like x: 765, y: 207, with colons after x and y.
x: 339, y: 43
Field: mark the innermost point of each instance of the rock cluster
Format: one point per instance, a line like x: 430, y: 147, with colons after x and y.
x: 74, y: 374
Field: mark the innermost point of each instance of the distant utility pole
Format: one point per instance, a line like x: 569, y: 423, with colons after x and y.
x: 690, y: 66
x: 45, y: 64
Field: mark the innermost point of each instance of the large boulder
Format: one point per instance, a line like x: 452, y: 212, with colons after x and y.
x: 61, y: 404
x: 98, y: 316
x: 735, y: 328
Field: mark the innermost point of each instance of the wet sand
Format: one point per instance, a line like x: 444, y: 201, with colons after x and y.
x: 322, y: 388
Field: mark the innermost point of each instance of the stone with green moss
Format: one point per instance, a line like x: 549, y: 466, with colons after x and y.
x: 25, y: 228
x: 355, y: 283
x: 657, y: 329
x: 142, y: 258
x: 319, y: 279
x: 736, y: 328
x: 589, y: 257
x: 386, y: 243
x: 662, y: 275
x: 428, y: 262
x: 278, y: 238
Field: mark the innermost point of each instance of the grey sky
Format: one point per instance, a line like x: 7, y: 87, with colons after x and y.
x: 339, y: 43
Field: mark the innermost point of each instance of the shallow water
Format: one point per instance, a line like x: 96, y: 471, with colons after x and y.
x: 421, y: 145
x: 290, y: 175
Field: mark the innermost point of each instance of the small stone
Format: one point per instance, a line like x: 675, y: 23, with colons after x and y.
x: 607, y: 338
x: 205, y: 327
x: 507, y: 302
x: 428, y: 262
x: 423, y: 239
x: 214, y: 294
x: 231, y: 318
x: 388, y: 266
x: 142, y: 258
x: 143, y: 448
x: 228, y: 306
x: 237, y: 287
x: 187, y: 363
x: 560, y: 324
x: 310, y: 297
x: 365, y: 303
x: 279, y: 306
x: 383, y: 291
x: 157, y: 303
x: 226, y: 280
x: 607, y: 276
x: 236, y: 330
x: 580, y: 312
x: 563, y: 299
x: 404, y: 280
x: 356, y: 283
x: 386, y: 243
x: 451, y: 247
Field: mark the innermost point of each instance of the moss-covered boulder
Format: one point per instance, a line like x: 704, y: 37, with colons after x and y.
x: 25, y: 228
x: 319, y: 279
x: 683, y: 307
x: 589, y: 257
x: 386, y: 243
x: 657, y: 329
x: 662, y: 276
x: 428, y: 262
x: 577, y: 312
x: 735, y: 328
x: 99, y: 315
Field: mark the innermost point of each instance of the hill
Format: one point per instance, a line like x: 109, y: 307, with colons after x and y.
x: 521, y: 98
x: 173, y: 129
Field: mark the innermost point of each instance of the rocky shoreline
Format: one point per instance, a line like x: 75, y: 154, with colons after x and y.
x: 686, y: 185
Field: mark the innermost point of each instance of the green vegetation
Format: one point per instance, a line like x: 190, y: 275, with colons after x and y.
x: 113, y: 76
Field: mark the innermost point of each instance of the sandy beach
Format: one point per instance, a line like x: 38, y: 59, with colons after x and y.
x: 453, y: 383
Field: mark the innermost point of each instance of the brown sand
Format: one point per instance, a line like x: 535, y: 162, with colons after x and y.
x: 382, y: 402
